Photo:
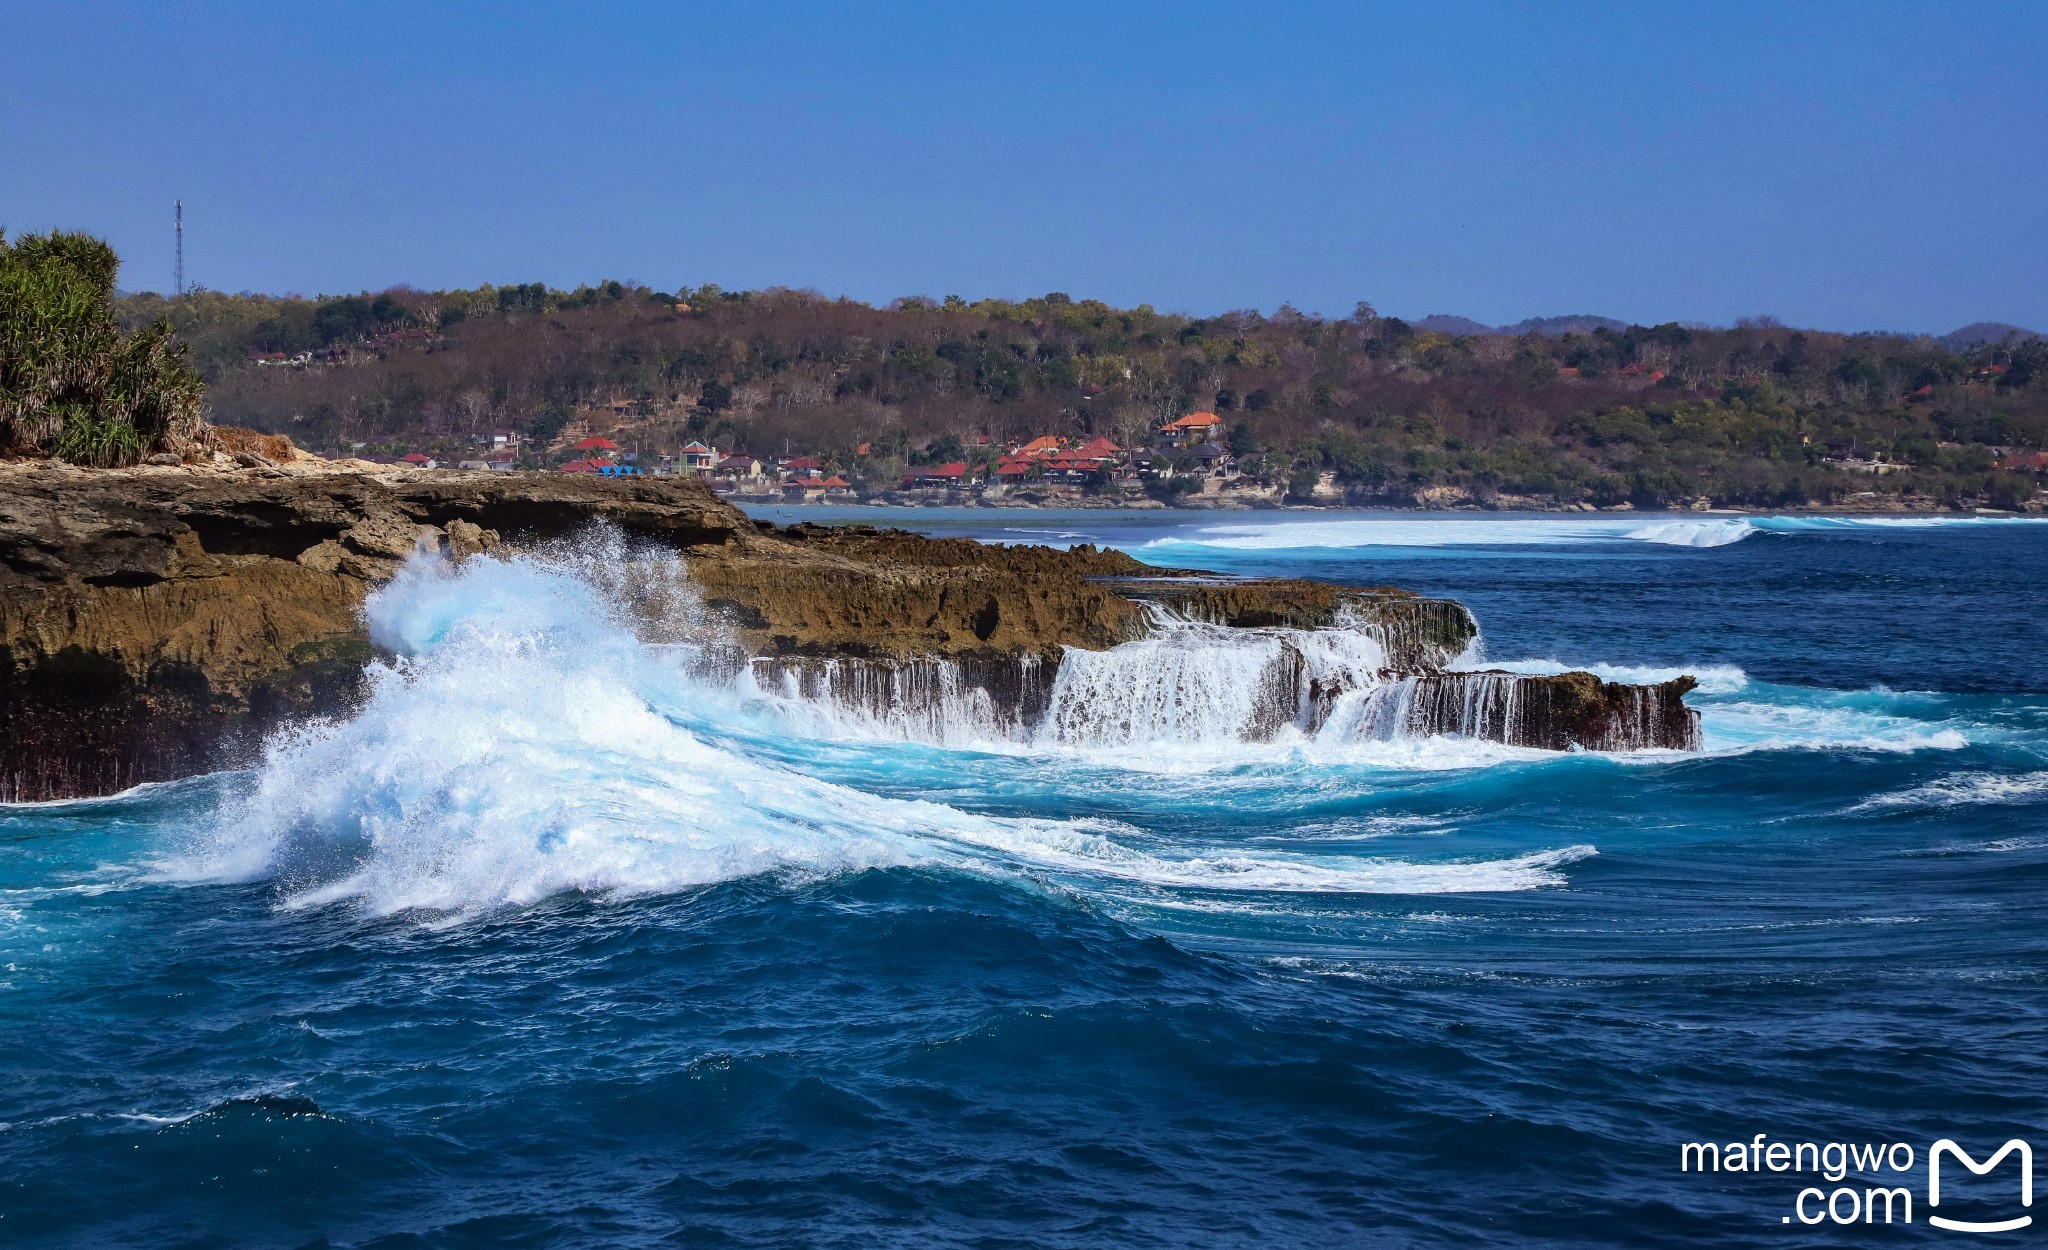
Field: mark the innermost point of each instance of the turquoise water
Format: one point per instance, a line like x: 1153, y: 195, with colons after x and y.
x: 553, y: 945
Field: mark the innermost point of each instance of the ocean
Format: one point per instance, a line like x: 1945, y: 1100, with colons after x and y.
x: 556, y: 943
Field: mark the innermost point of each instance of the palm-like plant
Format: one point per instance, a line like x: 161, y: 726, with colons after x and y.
x: 72, y: 383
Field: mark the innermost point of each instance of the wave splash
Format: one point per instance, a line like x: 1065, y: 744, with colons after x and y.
x: 528, y: 740
x: 1482, y: 531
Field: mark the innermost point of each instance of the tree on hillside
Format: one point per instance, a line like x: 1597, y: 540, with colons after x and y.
x: 73, y: 384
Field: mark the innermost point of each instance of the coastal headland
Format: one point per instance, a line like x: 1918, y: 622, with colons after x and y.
x: 158, y: 621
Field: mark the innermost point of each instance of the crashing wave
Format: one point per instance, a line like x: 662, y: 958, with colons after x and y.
x: 525, y: 741
x: 1484, y: 531
x: 1192, y: 684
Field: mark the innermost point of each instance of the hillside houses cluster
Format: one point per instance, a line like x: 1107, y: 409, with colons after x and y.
x: 1191, y: 448
x: 1190, y: 452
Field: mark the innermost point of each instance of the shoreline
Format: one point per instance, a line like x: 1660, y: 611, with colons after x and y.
x: 1567, y: 510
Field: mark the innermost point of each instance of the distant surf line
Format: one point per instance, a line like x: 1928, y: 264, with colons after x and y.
x: 1680, y: 531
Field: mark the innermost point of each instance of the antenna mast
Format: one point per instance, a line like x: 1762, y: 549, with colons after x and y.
x: 181, y: 249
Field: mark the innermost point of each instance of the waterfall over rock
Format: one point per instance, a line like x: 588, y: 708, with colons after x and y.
x: 1375, y: 673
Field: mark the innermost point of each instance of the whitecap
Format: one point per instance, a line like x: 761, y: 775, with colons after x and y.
x: 1964, y: 790
x: 1433, y: 530
x: 1719, y: 532
x: 526, y: 743
x: 1712, y: 678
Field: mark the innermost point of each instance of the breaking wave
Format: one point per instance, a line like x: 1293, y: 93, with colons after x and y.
x: 1522, y: 531
x: 1963, y: 790
x: 527, y: 740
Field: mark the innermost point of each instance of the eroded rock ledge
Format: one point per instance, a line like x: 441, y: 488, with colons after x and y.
x: 156, y: 622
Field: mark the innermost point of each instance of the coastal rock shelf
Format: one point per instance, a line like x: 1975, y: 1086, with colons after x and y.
x: 1186, y: 686
x: 158, y: 622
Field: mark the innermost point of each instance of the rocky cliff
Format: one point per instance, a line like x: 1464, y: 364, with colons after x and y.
x: 157, y: 621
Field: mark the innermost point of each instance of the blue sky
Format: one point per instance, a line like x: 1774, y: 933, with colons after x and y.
x: 1848, y: 166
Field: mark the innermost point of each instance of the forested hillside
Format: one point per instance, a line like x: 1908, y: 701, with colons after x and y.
x: 1760, y: 415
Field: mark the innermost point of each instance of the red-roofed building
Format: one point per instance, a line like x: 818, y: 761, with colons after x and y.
x: 1099, y: 448
x: 699, y: 460
x: 740, y: 469
x: 579, y: 466
x: 954, y: 474
x: 416, y: 460
x: 597, y: 443
x: 1193, y: 429
x: 1038, y: 448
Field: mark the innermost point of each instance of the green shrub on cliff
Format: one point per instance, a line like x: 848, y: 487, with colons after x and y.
x: 73, y: 384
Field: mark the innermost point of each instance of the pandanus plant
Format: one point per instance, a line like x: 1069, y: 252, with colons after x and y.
x: 73, y: 384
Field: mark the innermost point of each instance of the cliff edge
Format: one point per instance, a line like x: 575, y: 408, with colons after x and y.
x: 157, y: 621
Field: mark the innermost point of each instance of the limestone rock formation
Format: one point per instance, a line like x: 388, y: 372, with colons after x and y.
x: 157, y: 621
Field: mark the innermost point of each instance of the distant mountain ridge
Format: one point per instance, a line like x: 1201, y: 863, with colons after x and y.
x: 1972, y: 335
x: 1978, y: 332
x: 1577, y: 323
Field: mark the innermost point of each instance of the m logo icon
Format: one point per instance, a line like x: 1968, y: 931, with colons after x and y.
x: 1979, y: 1169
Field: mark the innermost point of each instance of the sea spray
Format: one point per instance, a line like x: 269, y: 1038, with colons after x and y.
x: 524, y: 741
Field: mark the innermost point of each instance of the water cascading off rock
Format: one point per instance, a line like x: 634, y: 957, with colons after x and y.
x: 1194, y: 682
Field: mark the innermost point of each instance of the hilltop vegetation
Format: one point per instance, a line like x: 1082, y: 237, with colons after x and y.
x: 1659, y: 416
x: 73, y: 384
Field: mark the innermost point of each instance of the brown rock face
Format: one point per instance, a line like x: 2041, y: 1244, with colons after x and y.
x: 1556, y: 713
x: 856, y: 591
x: 157, y: 621
x: 1418, y: 633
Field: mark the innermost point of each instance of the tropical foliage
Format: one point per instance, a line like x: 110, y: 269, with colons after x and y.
x: 73, y: 383
x: 1758, y: 414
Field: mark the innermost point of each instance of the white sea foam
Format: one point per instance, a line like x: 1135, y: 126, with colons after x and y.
x: 1751, y: 725
x: 527, y: 743
x: 1718, y: 532
x: 1712, y: 678
x: 1680, y: 530
x: 1762, y: 717
x: 1426, y: 531
x: 1964, y: 790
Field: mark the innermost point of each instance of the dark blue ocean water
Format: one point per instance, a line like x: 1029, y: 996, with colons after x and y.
x: 550, y: 946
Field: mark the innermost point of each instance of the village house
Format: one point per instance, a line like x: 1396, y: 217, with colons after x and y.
x: 698, y: 460
x: 1215, y: 460
x: 1148, y: 466
x: 954, y: 475
x: 596, y: 447
x: 815, y: 489
x: 1012, y: 470
x: 1099, y: 450
x: 496, y: 440
x: 1190, y: 431
x: 739, y: 471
